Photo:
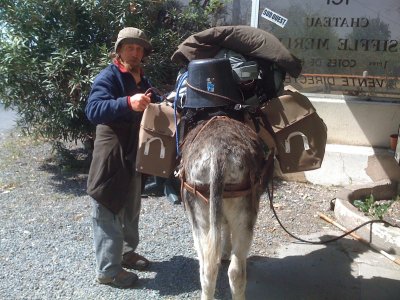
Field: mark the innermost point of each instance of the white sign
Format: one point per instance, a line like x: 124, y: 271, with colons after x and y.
x: 274, y: 17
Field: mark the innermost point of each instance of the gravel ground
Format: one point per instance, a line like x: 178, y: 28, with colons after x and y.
x: 46, y: 247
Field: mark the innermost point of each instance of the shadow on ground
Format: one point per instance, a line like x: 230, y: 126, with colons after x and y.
x: 169, y: 274
x: 325, y: 272
x: 68, y: 171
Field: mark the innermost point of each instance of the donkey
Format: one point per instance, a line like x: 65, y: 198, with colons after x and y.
x: 223, y: 174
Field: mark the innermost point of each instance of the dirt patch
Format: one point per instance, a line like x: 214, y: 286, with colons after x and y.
x: 393, y: 214
x: 297, y: 206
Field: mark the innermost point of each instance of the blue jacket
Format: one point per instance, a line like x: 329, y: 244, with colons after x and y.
x: 107, y: 101
x: 110, y: 175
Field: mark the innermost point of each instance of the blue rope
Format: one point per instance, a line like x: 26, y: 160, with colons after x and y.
x: 180, y: 83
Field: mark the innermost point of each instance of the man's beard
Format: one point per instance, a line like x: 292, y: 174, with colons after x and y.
x: 133, y: 66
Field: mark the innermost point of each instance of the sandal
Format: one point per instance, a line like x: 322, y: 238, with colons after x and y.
x: 123, y: 279
x: 132, y: 260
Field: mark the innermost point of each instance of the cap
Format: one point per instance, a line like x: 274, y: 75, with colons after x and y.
x: 133, y: 35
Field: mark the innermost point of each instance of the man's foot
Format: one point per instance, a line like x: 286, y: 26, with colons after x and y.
x: 132, y: 260
x: 123, y: 279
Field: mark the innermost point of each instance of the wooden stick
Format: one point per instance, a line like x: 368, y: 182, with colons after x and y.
x: 357, y: 237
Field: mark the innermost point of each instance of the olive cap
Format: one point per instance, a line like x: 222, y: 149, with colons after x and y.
x: 135, y: 36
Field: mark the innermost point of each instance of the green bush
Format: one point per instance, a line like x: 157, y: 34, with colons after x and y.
x: 371, y: 207
x: 51, y: 50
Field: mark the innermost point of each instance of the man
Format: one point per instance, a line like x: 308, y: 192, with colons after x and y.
x: 119, y: 95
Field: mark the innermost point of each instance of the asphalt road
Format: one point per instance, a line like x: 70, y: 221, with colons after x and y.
x: 7, y: 118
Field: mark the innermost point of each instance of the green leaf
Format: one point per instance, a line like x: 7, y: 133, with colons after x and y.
x: 51, y: 51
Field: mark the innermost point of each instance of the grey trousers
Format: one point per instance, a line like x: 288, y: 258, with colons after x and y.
x: 115, y: 234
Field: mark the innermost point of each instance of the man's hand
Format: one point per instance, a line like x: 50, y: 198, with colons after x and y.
x: 139, y: 102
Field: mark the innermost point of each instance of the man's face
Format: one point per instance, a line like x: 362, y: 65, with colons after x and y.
x: 131, y: 54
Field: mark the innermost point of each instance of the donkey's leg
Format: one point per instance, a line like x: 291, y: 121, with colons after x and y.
x: 242, y: 234
x: 210, y: 260
x: 199, y: 245
x: 208, y: 266
x: 205, y: 268
x: 241, y: 243
x: 198, y: 216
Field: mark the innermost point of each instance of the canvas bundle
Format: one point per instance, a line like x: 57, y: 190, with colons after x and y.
x: 156, y: 153
x: 300, y: 134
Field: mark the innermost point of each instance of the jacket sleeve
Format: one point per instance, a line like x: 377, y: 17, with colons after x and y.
x: 106, y: 101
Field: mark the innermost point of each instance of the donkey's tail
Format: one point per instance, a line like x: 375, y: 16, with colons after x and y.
x: 213, y: 251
